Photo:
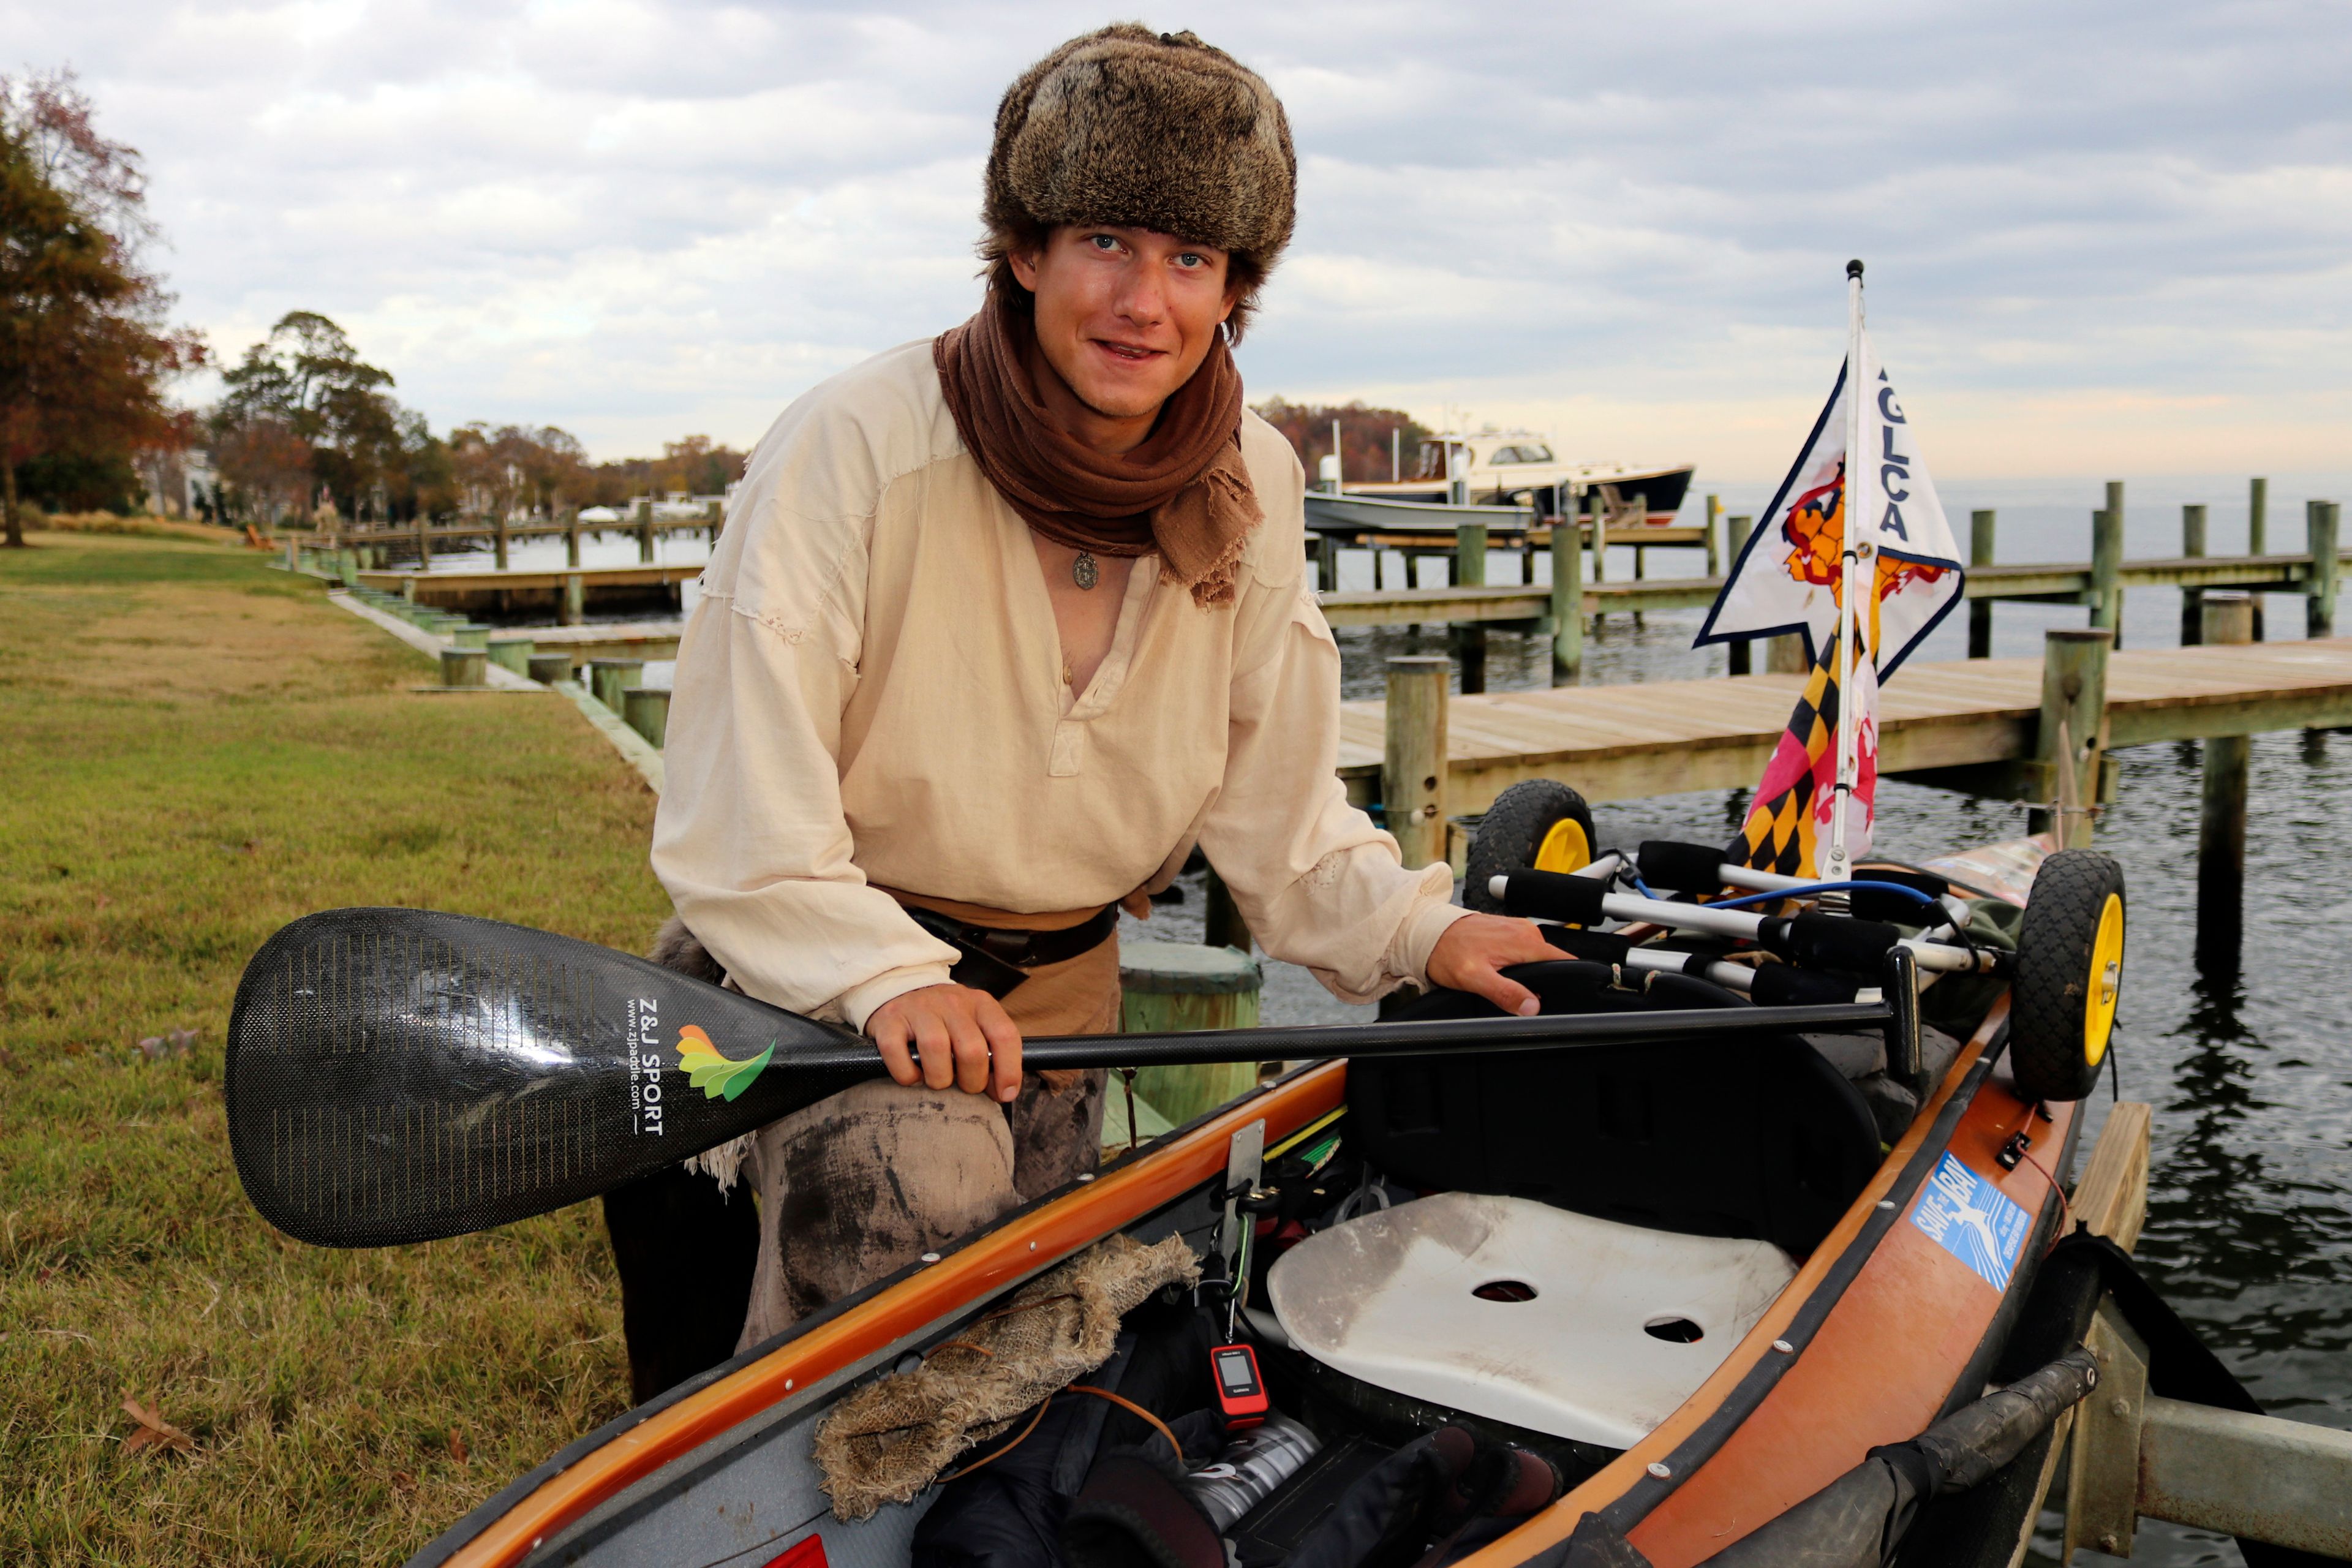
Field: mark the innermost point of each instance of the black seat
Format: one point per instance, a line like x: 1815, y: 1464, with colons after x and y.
x: 1705, y: 1136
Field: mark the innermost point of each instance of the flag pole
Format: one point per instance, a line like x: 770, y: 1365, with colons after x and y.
x: 1856, y: 505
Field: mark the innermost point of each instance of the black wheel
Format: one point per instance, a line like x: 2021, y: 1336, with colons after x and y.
x: 1539, y: 824
x: 2069, y: 971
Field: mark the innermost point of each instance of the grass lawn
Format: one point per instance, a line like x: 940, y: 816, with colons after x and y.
x: 199, y: 749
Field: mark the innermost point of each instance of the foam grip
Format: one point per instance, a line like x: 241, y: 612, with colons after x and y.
x: 1553, y: 895
x: 1830, y: 942
x: 1681, y: 868
x: 1785, y: 985
x: 1668, y: 990
x: 1870, y: 904
x: 1595, y: 946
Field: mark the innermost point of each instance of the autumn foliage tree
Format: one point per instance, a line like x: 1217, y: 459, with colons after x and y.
x: 1364, y: 437
x: 306, y: 380
x: 85, y: 352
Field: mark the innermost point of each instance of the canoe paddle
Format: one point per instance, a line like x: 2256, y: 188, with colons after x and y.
x: 403, y: 1075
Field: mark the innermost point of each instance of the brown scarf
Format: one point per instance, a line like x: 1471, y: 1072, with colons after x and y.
x: 1183, y: 493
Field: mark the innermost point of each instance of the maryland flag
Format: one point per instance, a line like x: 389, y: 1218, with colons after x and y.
x: 1791, y: 806
x: 1790, y: 578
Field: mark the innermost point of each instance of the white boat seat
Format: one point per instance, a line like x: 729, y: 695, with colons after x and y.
x: 1520, y: 1312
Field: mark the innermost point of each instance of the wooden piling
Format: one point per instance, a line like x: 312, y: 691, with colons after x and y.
x: 470, y: 634
x: 646, y: 531
x: 1980, y: 531
x: 2258, y: 502
x: 1736, y: 540
x: 513, y: 653
x: 1167, y: 985
x: 2319, y: 596
x: 2106, y: 563
x: 571, y: 539
x: 1567, y: 601
x: 498, y: 540
x: 1713, y: 536
x: 547, y: 669
x: 2074, y: 705
x: 1641, y: 515
x: 1224, y: 925
x: 645, y: 710
x: 608, y: 678
x: 463, y: 666
x: 1470, y: 555
x: 575, y: 599
x: 424, y: 541
x: 1413, y: 770
x: 2193, y: 600
x: 1470, y: 571
x: 2229, y: 620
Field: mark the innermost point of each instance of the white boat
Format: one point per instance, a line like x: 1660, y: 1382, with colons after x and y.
x: 1518, y: 468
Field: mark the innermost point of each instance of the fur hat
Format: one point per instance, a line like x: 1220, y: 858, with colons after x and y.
x: 1154, y: 130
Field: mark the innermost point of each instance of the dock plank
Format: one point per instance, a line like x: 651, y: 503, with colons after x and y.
x: 1617, y: 742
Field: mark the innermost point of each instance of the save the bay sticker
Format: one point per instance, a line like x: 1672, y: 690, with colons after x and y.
x: 1973, y: 1220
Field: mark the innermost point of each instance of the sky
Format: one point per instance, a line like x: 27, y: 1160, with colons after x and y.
x: 2102, y: 237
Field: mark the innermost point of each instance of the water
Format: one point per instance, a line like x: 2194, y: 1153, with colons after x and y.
x: 2249, y: 1231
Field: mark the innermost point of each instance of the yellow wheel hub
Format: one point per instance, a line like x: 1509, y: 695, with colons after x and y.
x: 2106, y: 979
x: 1564, y: 848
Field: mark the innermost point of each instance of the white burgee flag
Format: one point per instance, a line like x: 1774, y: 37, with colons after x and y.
x: 1811, y: 814
x: 1785, y: 580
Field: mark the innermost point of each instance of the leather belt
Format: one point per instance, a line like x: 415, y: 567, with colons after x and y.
x: 993, y: 958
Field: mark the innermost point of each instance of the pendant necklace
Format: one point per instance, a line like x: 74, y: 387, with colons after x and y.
x: 1085, y: 571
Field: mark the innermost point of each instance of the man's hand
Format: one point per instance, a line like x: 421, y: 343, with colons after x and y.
x: 964, y: 1037
x: 1476, y: 946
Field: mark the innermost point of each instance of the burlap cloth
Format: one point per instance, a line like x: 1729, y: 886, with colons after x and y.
x: 889, y: 1440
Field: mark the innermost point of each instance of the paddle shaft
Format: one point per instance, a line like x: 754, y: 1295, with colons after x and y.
x: 1454, y: 1037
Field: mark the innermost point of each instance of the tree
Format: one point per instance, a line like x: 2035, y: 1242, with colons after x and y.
x: 1364, y: 437
x: 264, y: 467
x: 512, y: 469
x: 84, y: 349
x: 308, y: 377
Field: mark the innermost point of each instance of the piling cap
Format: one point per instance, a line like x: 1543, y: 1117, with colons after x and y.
x: 1186, y: 969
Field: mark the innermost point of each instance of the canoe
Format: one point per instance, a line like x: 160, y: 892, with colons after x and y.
x: 1802, y: 1287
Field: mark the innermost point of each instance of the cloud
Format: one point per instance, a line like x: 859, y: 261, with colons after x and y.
x: 2102, y: 236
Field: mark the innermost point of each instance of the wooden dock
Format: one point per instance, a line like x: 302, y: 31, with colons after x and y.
x: 566, y: 591
x: 1618, y: 742
x: 2060, y: 582
x: 609, y: 640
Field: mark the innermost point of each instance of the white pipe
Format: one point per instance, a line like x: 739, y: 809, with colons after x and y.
x: 1757, y: 881
x: 1730, y: 976
x: 1686, y: 916
x: 1932, y: 955
x: 1603, y: 867
x: 1855, y: 507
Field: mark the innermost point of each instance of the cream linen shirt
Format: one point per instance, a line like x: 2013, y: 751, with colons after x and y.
x: 870, y: 692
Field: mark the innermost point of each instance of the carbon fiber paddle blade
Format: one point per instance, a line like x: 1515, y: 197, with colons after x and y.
x: 401, y: 1074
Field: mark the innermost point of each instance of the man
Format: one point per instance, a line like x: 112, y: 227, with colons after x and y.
x: 1001, y: 626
